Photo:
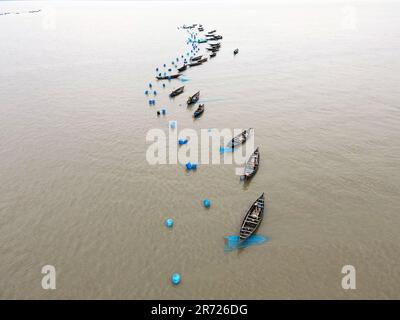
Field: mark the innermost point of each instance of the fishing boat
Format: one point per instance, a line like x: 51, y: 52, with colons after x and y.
x: 177, y: 91
x: 253, y: 219
x: 194, y: 98
x: 172, y: 76
x: 195, y: 58
x: 215, y: 44
x: 197, y: 63
x: 239, y: 139
x: 236, y: 51
x: 202, y: 40
x: 252, y: 165
x: 199, y: 111
x: 213, y: 49
x: 203, y: 60
x: 212, y: 31
x: 183, y: 68
x: 212, y: 55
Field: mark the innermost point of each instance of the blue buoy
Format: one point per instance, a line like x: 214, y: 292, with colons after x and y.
x: 207, y: 203
x: 182, y: 141
x: 172, y: 125
x: 165, y: 65
x: 164, y: 111
x: 146, y: 92
x: 194, y: 166
x: 169, y: 223
x: 156, y: 69
x: 176, y: 278
x: 172, y: 62
x: 155, y: 92
x: 150, y: 85
x: 188, y: 166
x: 163, y: 85
x: 169, y: 69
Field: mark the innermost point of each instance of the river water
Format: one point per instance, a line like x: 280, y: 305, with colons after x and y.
x: 318, y: 83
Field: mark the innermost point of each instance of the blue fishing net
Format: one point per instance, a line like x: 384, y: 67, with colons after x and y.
x: 225, y: 149
x: 233, y: 242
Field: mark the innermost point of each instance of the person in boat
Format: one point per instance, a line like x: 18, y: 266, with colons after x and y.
x: 256, y: 213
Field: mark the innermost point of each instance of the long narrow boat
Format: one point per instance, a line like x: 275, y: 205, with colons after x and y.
x: 195, y: 58
x: 215, y: 45
x: 197, y: 63
x: 199, y: 111
x: 213, y: 49
x: 212, y: 31
x: 183, y: 68
x: 239, y: 139
x: 252, y: 165
x: 203, y: 60
x: 253, y: 219
x: 172, y: 76
x: 177, y: 91
x: 194, y: 98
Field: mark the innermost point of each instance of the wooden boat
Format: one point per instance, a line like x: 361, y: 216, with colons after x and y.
x: 212, y: 31
x: 199, y: 111
x: 197, y: 63
x: 253, y: 219
x: 194, y: 98
x: 195, y: 58
x: 213, y: 49
x: 203, y: 60
x: 172, y: 76
x: 177, y: 91
x: 252, y: 165
x: 239, y: 139
x: 212, y: 55
x: 183, y: 68
x: 236, y: 51
x: 215, y: 45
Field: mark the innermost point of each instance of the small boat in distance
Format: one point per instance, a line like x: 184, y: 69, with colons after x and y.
x: 236, y: 51
x: 172, y: 76
x: 183, y: 68
x: 194, y: 98
x: 212, y: 31
x: 253, y: 219
x: 177, y: 92
x: 199, y: 111
x: 252, y: 165
x: 212, y: 55
x: 195, y: 58
x: 239, y: 139
x: 203, y: 60
x: 197, y: 63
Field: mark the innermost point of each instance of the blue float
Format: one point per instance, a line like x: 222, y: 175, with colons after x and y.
x: 176, y: 278
x: 172, y: 124
x: 156, y: 69
x: 146, y: 92
x: 188, y: 166
x: 164, y: 65
x: 194, y: 166
x: 207, y: 203
x: 169, y: 69
x: 155, y: 92
x: 163, y: 85
x: 182, y: 141
x: 169, y: 223
x: 164, y: 111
